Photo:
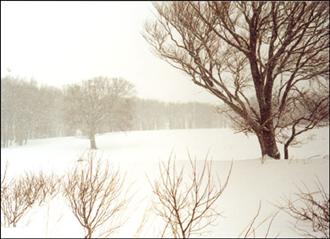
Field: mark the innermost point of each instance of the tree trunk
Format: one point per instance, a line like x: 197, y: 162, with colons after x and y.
x: 266, y: 134
x: 287, y: 143
x: 92, y: 140
x: 286, y: 151
x: 268, y: 144
x: 89, y: 232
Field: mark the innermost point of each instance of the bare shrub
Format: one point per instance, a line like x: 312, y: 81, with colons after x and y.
x: 310, y: 209
x: 253, y: 226
x: 4, y: 183
x: 19, y: 195
x: 187, y: 206
x: 18, y: 198
x: 95, y: 196
x: 4, y: 186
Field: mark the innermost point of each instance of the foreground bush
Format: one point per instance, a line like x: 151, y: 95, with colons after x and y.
x: 187, y: 203
x: 19, y: 195
x: 95, y: 196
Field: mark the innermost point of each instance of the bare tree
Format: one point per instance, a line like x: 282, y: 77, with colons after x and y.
x: 95, y: 196
x: 187, y: 206
x: 90, y: 103
x: 307, y: 110
x: 236, y: 50
x: 310, y: 209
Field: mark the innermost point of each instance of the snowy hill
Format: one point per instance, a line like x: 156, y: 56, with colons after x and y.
x: 138, y: 153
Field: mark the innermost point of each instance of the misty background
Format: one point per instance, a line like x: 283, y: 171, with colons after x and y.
x: 46, y: 47
x: 57, y: 43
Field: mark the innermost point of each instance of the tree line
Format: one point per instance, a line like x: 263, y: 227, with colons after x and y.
x: 29, y: 111
x: 98, y: 105
x: 153, y: 115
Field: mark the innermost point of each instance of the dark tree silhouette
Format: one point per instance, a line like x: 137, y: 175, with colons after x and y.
x: 238, y: 49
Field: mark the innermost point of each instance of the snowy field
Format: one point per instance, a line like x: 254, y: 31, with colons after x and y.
x: 138, y: 154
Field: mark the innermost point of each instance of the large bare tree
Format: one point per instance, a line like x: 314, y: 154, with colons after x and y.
x: 244, y: 50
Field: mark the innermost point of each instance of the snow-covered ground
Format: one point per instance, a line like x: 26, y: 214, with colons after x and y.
x: 138, y: 153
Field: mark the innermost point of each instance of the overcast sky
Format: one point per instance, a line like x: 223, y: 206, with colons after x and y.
x: 57, y: 43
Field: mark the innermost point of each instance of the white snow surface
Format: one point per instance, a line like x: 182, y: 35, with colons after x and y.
x: 138, y: 153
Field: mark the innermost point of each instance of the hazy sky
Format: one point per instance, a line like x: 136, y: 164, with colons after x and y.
x: 57, y: 43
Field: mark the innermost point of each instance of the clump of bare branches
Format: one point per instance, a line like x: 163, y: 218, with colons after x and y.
x: 187, y: 205
x: 15, y: 202
x: 311, y: 211
x: 4, y: 183
x: 95, y: 196
x: 49, y: 186
x: 252, y: 227
x: 19, y: 195
x: 4, y: 187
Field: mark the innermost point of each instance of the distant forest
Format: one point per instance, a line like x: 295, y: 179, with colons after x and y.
x: 30, y: 111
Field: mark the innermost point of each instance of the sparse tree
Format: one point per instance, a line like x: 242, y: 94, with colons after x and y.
x: 306, y: 110
x: 95, y: 196
x: 91, y: 103
x: 236, y: 50
x: 187, y: 205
